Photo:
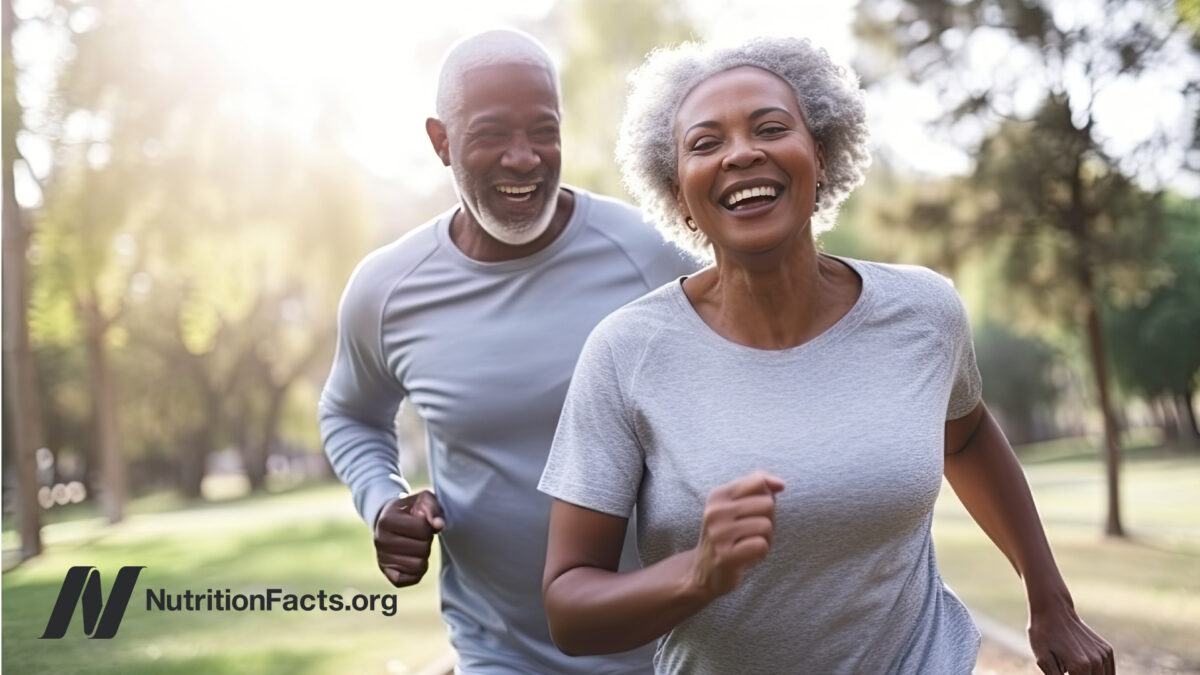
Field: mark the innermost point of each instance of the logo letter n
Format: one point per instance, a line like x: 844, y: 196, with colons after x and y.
x: 82, y: 587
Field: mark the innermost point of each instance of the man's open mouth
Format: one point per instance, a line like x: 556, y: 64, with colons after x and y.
x: 518, y: 193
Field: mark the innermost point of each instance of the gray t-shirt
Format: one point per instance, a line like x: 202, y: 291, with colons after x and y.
x: 485, y: 352
x: 662, y: 409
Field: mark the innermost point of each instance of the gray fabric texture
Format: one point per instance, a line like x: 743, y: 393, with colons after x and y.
x: 662, y: 410
x: 485, y: 352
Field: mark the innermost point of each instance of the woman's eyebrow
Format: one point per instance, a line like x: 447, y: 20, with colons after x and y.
x: 769, y: 109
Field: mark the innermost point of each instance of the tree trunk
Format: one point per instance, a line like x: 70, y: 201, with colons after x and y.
x: 201, y: 443
x: 22, y: 412
x: 191, y: 464
x: 115, y: 490
x: 1168, y: 419
x: 1112, y: 455
x: 1187, y: 420
x: 257, y: 469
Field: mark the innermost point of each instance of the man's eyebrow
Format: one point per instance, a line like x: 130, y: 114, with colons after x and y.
x: 482, y: 120
x: 487, y: 119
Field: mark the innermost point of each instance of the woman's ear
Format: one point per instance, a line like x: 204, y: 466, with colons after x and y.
x: 683, y: 209
x: 821, y: 163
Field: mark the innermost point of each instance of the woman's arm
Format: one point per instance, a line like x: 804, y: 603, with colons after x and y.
x: 594, y: 609
x: 985, y: 474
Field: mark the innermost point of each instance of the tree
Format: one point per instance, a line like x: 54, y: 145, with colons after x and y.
x: 1017, y: 378
x: 23, y: 433
x: 1155, y: 334
x: 182, y: 229
x: 1062, y: 207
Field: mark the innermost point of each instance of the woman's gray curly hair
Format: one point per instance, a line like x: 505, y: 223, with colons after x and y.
x: 828, y: 95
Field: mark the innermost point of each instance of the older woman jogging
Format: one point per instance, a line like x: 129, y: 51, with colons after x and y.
x: 782, y: 419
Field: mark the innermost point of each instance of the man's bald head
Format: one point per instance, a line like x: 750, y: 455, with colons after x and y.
x: 493, y: 47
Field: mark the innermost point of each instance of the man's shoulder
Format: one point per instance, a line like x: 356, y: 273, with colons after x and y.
x: 395, y: 260
x: 382, y: 270
x: 627, y: 229
x: 617, y: 219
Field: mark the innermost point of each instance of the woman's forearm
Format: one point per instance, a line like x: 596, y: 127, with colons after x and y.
x: 989, y: 481
x: 596, y: 611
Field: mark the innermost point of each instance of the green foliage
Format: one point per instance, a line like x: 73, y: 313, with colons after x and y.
x: 1059, y: 215
x: 207, y: 244
x: 1155, y: 338
x: 1018, y: 377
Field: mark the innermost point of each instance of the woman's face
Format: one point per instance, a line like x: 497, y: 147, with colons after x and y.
x: 747, y: 165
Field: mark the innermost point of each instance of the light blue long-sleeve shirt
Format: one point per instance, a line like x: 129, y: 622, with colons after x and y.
x: 485, y: 352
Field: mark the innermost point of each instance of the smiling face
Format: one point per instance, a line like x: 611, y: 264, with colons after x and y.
x: 748, y: 166
x: 502, y: 145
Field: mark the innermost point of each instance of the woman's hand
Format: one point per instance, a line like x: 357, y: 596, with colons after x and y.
x: 1063, y: 643
x: 739, y: 523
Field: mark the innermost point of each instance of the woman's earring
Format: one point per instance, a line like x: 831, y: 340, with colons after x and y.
x: 817, y: 197
x: 690, y: 224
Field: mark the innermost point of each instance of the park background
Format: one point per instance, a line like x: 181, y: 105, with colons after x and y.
x: 189, y: 183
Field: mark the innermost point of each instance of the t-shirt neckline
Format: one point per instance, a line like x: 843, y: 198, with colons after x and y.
x: 842, y: 327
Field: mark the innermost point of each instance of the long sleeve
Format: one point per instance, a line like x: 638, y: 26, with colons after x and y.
x: 358, y: 405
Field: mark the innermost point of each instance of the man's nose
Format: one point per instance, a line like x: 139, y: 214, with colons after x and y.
x: 520, y: 155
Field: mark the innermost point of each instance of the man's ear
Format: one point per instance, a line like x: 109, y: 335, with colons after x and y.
x: 439, y: 138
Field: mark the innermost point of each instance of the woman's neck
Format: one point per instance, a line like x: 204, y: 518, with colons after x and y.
x: 776, y: 301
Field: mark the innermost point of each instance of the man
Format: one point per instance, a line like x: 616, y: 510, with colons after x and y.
x: 478, y: 317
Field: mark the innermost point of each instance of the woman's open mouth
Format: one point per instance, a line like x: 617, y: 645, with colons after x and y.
x: 750, y: 196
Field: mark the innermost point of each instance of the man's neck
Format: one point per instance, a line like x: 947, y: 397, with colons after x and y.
x: 477, y: 244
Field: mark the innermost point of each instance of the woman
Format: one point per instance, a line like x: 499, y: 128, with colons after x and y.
x: 782, y: 419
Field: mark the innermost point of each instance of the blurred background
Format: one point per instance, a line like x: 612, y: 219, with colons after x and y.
x: 189, y: 183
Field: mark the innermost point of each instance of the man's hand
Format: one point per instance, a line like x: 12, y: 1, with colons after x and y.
x: 404, y: 535
x: 739, y: 523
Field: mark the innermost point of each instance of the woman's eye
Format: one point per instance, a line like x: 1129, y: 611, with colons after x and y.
x: 774, y: 129
x: 706, y: 144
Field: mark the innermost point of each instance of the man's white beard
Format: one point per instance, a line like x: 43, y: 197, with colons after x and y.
x: 516, y: 235
x: 511, y: 234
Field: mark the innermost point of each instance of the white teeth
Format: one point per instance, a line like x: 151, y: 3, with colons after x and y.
x: 747, y: 193
x: 516, y: 189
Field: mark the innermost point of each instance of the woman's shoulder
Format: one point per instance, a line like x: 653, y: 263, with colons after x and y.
x: 928, y: 293
x: 913, y: 281
x: 635, y: 324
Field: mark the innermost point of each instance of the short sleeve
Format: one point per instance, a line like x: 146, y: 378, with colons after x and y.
x: 596, y: 459
x: 966, y: 386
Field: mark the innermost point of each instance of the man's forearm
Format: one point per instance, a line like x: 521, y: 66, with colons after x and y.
x: 363, y: 456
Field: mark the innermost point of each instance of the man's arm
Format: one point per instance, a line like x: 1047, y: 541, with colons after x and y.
x: 985, y: 474
x: 357, y: 419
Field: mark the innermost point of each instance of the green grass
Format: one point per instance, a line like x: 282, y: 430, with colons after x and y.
x: 1141, y: 593
x: 302, y: 542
